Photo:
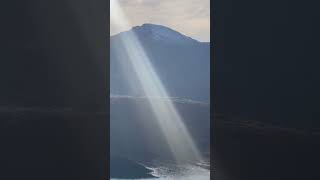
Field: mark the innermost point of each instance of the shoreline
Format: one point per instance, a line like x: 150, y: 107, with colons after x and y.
x: 122, y: 168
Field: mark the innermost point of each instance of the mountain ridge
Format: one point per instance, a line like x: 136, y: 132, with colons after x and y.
x: 158, y: 32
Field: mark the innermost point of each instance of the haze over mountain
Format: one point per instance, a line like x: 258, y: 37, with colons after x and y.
x: 182, y: 63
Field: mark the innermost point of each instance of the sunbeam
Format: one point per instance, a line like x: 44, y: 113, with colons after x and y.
x: 170, y: 122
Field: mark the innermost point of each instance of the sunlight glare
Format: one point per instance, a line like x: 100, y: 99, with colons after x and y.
x: 168, y: 118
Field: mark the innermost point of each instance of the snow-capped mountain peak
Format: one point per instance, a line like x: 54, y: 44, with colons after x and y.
x: 161, y: 33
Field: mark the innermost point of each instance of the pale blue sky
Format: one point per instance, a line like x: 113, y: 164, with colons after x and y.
x: 190, y: 17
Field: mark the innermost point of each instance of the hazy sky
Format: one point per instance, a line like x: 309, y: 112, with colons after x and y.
x: 190, y: 17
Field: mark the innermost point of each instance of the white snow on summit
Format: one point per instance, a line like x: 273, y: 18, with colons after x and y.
x: 162, y: 33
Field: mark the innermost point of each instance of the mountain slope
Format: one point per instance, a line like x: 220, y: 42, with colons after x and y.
x: 182, y: 63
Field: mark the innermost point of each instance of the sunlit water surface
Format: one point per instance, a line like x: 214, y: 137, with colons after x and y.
x: 185, y: 172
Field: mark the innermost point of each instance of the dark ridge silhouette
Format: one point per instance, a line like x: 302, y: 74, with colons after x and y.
x: 266, y: 71
x: 53, y: 55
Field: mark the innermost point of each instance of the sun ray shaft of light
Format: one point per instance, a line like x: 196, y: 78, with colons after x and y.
x: 170, y: 122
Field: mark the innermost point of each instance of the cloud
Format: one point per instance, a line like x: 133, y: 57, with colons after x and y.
x: 150, y: 2
x: 190, y: 17
x: 139, y: 2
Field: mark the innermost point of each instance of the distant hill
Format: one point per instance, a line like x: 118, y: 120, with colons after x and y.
x: 182, y: 63
x: 137, y: 136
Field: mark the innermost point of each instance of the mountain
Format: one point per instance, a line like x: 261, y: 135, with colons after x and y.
x: 160, y: 33
x: 182, y: 63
